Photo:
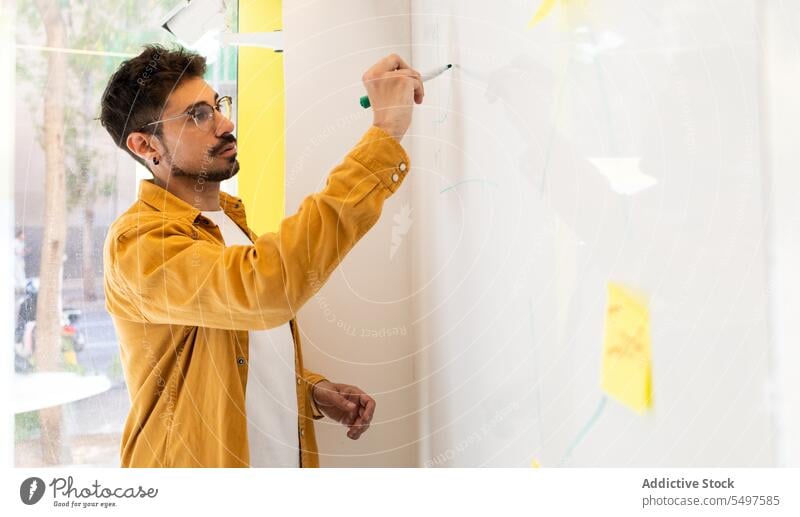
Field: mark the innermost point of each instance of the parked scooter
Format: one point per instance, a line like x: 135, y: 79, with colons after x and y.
x: 73, y: 338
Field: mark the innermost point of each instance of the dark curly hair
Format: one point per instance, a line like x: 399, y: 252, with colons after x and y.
x: 137, y: 92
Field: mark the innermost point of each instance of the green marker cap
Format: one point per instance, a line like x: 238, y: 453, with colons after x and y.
x: 364, y: 101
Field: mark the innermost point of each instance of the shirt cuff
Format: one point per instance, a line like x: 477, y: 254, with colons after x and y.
x: 315, y: 412
x: 379, y: 152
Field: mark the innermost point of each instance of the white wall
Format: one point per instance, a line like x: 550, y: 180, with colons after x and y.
x: 328, y: 47
x: 781, y: 95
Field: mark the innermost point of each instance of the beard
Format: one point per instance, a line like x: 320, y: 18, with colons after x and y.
x: 215, y: 173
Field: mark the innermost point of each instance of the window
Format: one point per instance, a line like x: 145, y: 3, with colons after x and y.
x: 72, y: 412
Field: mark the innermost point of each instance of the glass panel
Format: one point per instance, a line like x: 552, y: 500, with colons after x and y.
x: 86, y: 392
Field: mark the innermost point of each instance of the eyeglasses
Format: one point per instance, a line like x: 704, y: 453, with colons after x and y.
x: 203, y: 114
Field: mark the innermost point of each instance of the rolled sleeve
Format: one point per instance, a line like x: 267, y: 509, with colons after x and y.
x: 311, y: 379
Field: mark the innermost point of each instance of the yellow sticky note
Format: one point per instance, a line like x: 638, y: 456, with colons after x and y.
x: 544, y: 9
x: 535, y: 464
x: 627, y: 355
x: 572, y: 13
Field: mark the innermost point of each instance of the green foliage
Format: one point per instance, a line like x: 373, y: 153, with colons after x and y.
x: 114, y: 371
x: 26, y: 426
x: 117, y: 27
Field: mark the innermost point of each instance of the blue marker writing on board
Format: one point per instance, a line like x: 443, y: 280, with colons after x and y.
x: 364, y: 101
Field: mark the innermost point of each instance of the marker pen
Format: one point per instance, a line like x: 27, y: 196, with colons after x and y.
x: 364, y: 101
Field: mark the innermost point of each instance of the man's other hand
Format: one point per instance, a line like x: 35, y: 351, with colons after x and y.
x: 346, y: 404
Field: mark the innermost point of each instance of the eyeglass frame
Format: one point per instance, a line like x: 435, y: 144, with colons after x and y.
x: 189, y: 112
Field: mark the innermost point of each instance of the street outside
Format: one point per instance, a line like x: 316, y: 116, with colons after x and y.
x: 92, y: 426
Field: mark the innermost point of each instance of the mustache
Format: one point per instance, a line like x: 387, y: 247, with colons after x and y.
x: 225, y: 140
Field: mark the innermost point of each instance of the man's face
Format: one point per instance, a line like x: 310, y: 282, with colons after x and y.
x: 191, y: 151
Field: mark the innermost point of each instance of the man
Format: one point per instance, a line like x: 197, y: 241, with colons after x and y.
x: 203, y: 307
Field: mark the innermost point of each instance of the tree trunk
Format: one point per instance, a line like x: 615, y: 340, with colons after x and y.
x: 88, y: 253
x: 48, y: 308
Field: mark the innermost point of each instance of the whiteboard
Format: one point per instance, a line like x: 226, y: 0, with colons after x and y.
x: 614, y: 140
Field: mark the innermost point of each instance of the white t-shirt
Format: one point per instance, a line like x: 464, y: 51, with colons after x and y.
x: 271, y: 399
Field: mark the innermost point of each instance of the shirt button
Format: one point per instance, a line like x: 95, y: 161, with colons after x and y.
x: 301, y: 431
x: 298, y: 380
x: 402, y: 166
x: 395, y: 177
x: 240, y: 360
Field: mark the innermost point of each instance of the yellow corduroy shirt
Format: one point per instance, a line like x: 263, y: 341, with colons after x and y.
x: 182, y: 305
